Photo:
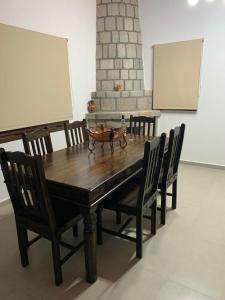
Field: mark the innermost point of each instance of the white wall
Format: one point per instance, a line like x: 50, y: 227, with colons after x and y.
x: 71, y: 19
x: 175, y: 20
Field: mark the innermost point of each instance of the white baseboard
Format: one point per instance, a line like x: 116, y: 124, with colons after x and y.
x: 202, y: 164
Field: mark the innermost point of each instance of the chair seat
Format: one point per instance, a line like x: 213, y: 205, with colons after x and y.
x: 123, y: 199
x: 64, y: 212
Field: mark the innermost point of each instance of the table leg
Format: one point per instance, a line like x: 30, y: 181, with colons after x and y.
x: 90, y: 245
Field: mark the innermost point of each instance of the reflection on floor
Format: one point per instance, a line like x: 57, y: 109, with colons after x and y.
x: 185, y: 260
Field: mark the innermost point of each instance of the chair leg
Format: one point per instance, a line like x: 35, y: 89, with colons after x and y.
x: 174, y: 195
x: 75, y: 230
x: 163, y: 207
x: 118, y: 217
x: 99, y: 226
x: 153, y: 217
x: 139, y: 229
x: 23, y: 244
x: 56, y: 261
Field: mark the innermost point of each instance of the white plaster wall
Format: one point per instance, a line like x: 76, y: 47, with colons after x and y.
x: 175, y: 20
x: 72, y: 19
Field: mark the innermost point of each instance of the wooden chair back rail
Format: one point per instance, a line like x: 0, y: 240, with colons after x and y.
x: 75, y: 133
x: 142, y: 125
x: 25, y: 180
x: 37, y: 142
x: 153, y: 157
x: 174, y: 151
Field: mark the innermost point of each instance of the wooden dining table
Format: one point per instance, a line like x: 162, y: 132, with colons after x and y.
x: 84, y: 178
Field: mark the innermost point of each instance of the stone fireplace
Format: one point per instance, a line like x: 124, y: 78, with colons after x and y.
x: 119, y: 65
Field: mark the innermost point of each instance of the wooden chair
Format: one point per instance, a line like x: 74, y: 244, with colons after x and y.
x: 75, y: 133
x: 142, y: 125
x: 37, y: 142
x: 35, y: 210
x: 132, y: 198
x: 170, y: 169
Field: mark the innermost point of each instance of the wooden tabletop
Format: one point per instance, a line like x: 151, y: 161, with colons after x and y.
x: 90, y: 175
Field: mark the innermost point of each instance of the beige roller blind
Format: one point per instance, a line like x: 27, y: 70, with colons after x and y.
x: 176, y: 75
x: 34, y: 78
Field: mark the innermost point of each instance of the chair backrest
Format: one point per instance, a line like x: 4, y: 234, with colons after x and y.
x: 142, y: 125
x: 172, y: 157
x: 37, y: 142
x: 25, y: 180
x: 75, y: 133
x: 152, y: 163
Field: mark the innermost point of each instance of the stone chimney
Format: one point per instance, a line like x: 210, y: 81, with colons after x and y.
x: 119, y: 59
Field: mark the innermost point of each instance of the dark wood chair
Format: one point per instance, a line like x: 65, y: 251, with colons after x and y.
x: 169, y: 171
x: 142, y: 125
x: 132, y: 198
x: 75, y: 133
x: 37, y: 142
x: 35, y: 210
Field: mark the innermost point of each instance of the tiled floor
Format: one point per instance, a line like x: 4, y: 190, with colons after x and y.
x: 184, y: 261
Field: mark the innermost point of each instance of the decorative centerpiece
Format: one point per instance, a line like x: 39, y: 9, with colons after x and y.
x: 104, y: 134
x: 91, y: 106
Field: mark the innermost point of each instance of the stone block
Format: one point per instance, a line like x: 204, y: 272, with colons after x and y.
x: 100, y: 94
x: 136, y: 12
x: 101, y: 10
x: 97, y: 104
x: 125, y: 94
x: 119, y: 23
x: 122, y: 8
x: 113, y: 74
x: 143, y: 103
x: 106, y: 1
x: 121, y: 50
x: 108, y: 104
x: 130, y: 11
x: 128, y: 24
x: 137, y: 25
x: 139, y: 38
x: 98, y: 64
x: 112, y: 50
x: 126, y: 1
x: 131, y: 50
x: 139, y: 51
x: 101, y: 75
x: 137, y: 85
x: 115, y: 37
x: 110, y: 23
x: 133, y: 37
x: 134, y: 2
x: 126, y: 104
x: 140, y: 74
x: 106, y: 64
x: 107, y: 85
x: 105, y: 51
x: 98, y: 2
x: 132, y: 74
x: 123, y: 37
x: 128, y: 63
x: 136, y: 64
x: 118, y: 64
x: 142, y: 85
x: 128, y: 85
x: 99, y: 51
x: 113, y: 94
x: 113, y: 9
x: 124, y: 74
x: 98, y: 85
x: 105, y: 37
x: 141, y: 64
x: 137, y: 94
x: 100, y: 24
x: 93, y: 95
